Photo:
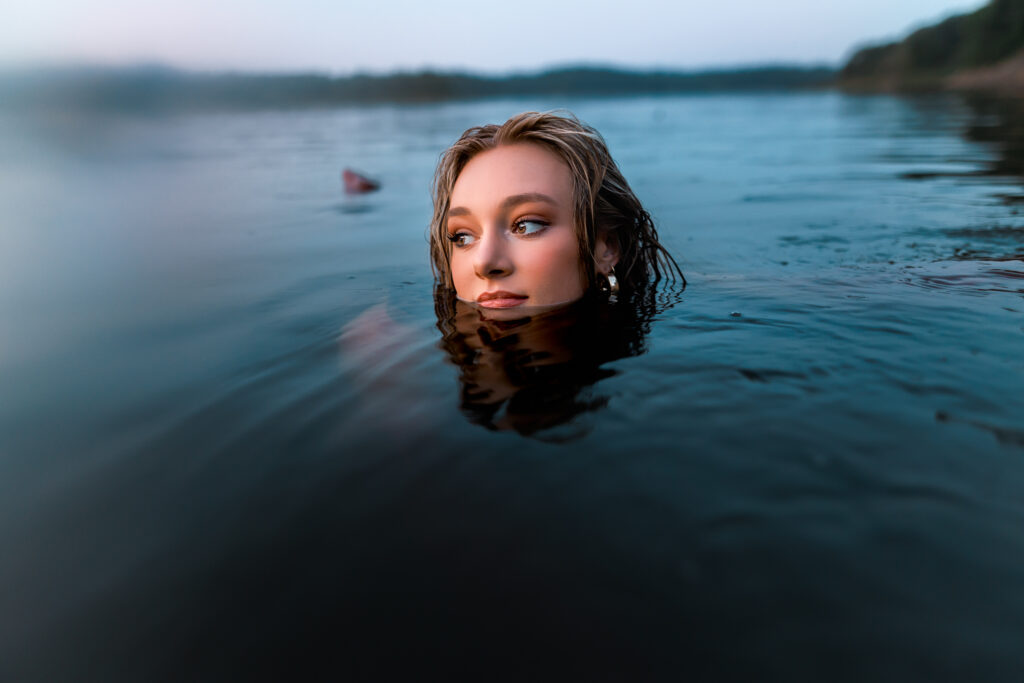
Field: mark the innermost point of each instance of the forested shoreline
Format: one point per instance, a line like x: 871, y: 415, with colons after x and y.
x: 980, y: 50
x: 164, y: 89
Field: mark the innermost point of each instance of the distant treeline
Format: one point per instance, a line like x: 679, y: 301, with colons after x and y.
x: 161, y: 89
x: 930, y: 56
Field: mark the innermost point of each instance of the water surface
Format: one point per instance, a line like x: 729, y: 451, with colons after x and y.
x: 234, y: 444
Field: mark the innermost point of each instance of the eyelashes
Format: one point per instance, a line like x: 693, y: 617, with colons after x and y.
x: 524, y: 227
x: 461, y: 239
x: 529, y: 226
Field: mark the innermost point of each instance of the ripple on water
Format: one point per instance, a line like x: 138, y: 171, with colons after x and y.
x: 1005, y: 435
x: 971, y: 277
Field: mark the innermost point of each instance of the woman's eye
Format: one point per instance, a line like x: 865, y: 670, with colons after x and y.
x: 461, y: 239
x: 528, y: 227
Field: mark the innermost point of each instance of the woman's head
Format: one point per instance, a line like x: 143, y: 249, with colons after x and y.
x: 536, y: 212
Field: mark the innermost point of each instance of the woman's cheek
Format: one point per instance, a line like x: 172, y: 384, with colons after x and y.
x: 557, y: 268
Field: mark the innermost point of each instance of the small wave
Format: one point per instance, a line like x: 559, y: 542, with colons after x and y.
x: 932, y: 175
x: 971, y: 275
x: 1004, y: 435
x: 785, y: 198
x: 766, y: 375
x: 1010, y: 199
x: 818, y: 240
x: 977, y: 255
x: 993, y: 232
x: 352, y: 209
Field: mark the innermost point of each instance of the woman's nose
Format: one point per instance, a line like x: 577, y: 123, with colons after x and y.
x: 492, y: 258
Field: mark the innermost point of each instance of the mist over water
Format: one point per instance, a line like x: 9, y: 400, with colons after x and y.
x: 237, y: 439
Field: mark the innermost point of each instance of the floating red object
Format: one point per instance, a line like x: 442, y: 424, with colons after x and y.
x: 358, y: 184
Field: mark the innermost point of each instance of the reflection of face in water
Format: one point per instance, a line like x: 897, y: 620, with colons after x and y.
x: 531, y: 370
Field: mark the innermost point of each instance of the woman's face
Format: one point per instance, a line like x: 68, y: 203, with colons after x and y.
x: 511, y: 226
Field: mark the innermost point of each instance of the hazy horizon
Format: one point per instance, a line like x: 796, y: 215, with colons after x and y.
x: 453, y: 35
x: 69, y: 65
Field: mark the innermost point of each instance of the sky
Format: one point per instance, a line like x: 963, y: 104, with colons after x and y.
x: 377, y: 36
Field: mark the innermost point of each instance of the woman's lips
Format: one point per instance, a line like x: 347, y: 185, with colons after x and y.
x: 500, y: 299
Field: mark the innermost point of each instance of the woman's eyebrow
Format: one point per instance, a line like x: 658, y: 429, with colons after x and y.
x: 508, y: 203
x: 517, y: 199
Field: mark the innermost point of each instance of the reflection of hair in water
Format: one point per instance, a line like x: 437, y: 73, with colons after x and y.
x: 530, y: 372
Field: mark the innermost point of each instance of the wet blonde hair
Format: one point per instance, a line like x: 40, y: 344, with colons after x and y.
x: 604, y: 204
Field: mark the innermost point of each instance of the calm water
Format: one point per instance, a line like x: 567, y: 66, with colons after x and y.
x: 236, y: 442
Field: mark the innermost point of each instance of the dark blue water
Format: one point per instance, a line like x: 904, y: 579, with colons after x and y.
x: 238, y: 441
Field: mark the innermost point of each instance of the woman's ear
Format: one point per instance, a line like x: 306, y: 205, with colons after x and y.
x: 606, y: 252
